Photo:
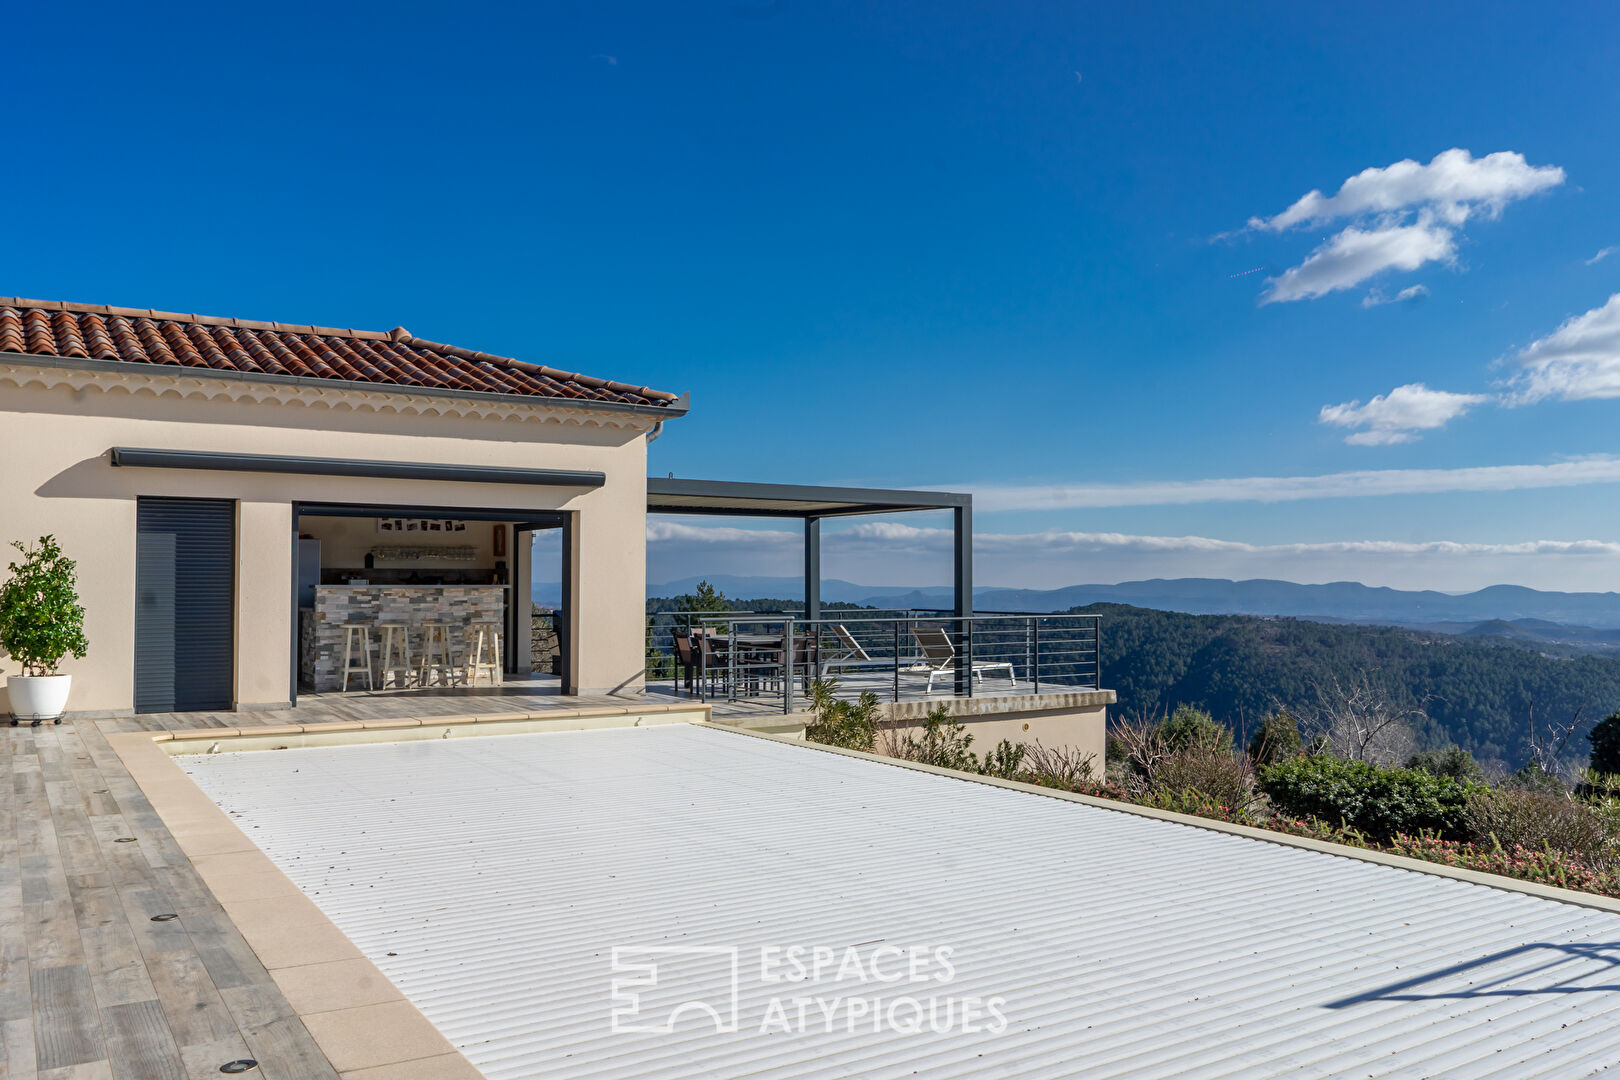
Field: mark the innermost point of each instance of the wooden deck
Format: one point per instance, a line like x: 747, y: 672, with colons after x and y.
x: 91, y: 988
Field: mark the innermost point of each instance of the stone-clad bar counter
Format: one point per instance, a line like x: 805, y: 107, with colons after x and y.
x: 320, y: 629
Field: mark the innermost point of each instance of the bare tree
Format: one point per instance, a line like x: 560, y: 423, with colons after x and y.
x: 1362, y: 721
x: 1547, y: 745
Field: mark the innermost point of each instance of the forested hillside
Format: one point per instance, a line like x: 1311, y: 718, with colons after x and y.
x: 1478, y: 694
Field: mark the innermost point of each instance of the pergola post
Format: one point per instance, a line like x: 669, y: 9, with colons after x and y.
x: 963, y: 584
x: 812, y: 568
x: 964, y: 561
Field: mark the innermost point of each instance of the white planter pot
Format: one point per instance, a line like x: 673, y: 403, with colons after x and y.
x: 38, y: 697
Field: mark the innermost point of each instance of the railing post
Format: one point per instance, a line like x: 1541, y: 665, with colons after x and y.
x: 1096, y: 678
x: 1035, y: 666
x: 703, y: 662
x: 896, y: 625
x: 787, y: 666
x: 967, y: 653
x: 731, y: 660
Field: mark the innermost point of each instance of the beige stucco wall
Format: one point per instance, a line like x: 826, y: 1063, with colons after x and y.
x: 1079, y: 727
x: 56, y: 430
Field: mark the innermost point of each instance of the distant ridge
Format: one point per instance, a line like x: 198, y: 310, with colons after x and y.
x: 1346, y: 601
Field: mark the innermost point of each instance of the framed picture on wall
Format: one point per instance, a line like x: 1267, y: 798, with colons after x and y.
x: 404, y: 525
x: 500, y: 541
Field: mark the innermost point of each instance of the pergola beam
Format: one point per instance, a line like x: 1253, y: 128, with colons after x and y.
x: 730, y: 498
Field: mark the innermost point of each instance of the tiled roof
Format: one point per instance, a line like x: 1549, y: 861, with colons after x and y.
x: 390, y: 358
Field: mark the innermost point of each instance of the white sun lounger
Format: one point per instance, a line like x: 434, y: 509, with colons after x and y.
x: 939, y: 657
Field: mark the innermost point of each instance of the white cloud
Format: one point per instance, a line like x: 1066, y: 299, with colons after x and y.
x: 1400, y: 217
x: 1083, y: 543
x: 1455, y: 185
x: 1353, y: 255
x: 1601, y: 469
x: 1579, y: 360
x: 1376, y: 297
x: 900, y: 556
x: 680, y: 531
x: 1601, y: 255
x: 1396, y: 417
x: 888, y: 536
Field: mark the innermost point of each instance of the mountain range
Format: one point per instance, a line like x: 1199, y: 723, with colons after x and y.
x: 1500, y: 610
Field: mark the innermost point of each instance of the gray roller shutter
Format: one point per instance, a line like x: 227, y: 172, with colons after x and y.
x: 185, y: 604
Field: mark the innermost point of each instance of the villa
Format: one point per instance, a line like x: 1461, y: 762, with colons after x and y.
x: 316, y: 812
x: 256, y: 507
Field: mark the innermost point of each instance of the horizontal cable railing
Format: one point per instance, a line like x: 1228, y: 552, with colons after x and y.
x: 898, y: 655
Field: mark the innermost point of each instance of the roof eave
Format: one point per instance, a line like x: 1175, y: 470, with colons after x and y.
x: 677, y: 408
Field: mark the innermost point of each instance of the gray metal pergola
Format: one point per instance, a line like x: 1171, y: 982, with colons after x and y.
x: 729, y: 498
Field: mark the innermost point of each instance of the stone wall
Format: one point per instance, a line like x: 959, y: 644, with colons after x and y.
x: 321, y: 629
x: 545, y: 650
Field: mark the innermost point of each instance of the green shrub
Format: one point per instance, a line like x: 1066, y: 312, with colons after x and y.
x: 943, y: 742
x: 1006, y: 761
x: 1277, y: 739
x: 1378, y: 801
x: 1453, y: 761
x: 852, y: 726
x: 41, y: 620
x: 1605, y: 740
x: 1516, y: 817
x: 1188, y: 728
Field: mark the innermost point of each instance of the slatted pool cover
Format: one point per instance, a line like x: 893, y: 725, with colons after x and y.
x: 493, y: 878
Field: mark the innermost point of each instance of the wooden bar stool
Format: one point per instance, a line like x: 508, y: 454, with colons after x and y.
x: 356, y: 635
x: 438, y: 656
x: 484, y: 653
x: 394, y: 656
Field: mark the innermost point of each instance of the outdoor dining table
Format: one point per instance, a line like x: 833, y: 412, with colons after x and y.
x: 754, y: 651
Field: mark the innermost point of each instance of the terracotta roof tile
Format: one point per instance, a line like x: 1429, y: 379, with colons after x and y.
x: 388, y: 358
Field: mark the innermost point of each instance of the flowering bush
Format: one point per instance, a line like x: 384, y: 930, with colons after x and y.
x: 1080, y: 785
x: 1196, y: 803
x: 1541, y: 865
x: 1317, y: 829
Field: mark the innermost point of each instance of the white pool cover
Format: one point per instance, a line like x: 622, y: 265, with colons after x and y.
x: 961, y: 930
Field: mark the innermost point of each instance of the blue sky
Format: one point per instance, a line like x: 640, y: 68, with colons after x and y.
x: 1008, y: 248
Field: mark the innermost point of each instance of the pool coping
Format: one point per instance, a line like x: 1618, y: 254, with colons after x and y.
x: 367, y: 1028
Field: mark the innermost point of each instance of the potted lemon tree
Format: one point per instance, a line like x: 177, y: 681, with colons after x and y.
x: 41, y: 622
